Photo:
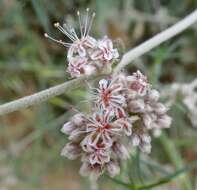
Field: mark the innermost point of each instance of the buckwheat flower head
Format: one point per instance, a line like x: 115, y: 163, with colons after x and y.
x: 125, y: 114
x: 86, y: 55
x: 96, y: 139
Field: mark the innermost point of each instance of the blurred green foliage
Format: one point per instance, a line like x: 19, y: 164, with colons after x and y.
x: 30, y: 140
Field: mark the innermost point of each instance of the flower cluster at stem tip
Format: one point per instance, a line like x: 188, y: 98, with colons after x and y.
x: 86, y: 55
x: 126, y: 110
x: 125, y: 115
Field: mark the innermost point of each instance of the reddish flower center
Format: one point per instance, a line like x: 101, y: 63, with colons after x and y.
x: 106, y: 97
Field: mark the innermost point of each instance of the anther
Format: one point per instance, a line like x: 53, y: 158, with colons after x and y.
x: 56, y: 24
x: 46, y: 35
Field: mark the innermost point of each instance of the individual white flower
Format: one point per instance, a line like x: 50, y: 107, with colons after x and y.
x: 109, y: 97
x: 125, y: 124
x: 120, y: 150
x: 90, y: 170
x: 99, y: 156
x: 136, y: 105
x: 105, y: 51
x: 142, y: 140
x: 138, y: 83
x: 100, y: 130
x: 76, y: 66
x: 71, y: 151
x: 113, y: 168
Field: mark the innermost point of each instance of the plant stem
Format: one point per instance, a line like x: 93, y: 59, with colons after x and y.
x: 156, y: 40
x: 176, y: 159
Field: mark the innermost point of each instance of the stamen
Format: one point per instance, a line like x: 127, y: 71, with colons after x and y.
x: 57, y: 41
x: 90, y: 24
x: 80, y: 23
x: 72, y: 31
x: 60, y: 28
x: 46, y: 35
x: 86, y: 22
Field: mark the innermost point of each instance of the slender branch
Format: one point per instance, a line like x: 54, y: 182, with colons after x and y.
x: 40, y: 96
x: 157, y: 40
x: 127, y: 58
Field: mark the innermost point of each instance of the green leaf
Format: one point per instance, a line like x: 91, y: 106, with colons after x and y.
x: 175, y: 158
x: 41, y: 14
x: 118, y: 181
x: 169, y: 177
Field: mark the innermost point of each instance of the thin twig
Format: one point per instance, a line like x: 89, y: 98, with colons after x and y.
x: 40, y: 96
x: 127, y: 58
x: 157, y: 40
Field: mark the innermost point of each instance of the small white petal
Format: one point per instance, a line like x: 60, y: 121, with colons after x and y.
x: 136, y: 105
x: 147, y: 121
x: 164, y: 121
x: 76, y: 135
x: 68, y: 128
x: 103, y: 84
x: 113, y: 168
x: 146, y: 148
x: 89, y: 70
x: 71, y: 151
x: 146, y: 138
x: 156, y: 132
x: 160, y: 108
x: 135, y: 140
x: 121, y: 151
x: 85, y: 169
x: 78, y: 119
x: 153, y: 95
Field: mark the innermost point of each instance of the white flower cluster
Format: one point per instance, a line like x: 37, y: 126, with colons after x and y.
x: 187, y: 93
x: 125, y: 113
x: 124, y: 116
x: 86, y: 55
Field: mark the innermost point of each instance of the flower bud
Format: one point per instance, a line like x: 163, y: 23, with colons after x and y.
x: 164, y: 121
x: 76, y: 135
x: 147, y: 121
x: 153, y: 95
x: 89, y: 70
x: 146, y: 148
x: 136, y: 105
x: 71, y: 151
x: 78, y: 119
x: 113, y: 168
x: 120, y: 150
x: 68, y: 128
x: 160, y: 108
x: 135, y: 140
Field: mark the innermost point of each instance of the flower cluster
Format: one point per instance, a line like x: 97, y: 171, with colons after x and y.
x: 187, y: 94
x: 86, y: 55
x: 125, y: 114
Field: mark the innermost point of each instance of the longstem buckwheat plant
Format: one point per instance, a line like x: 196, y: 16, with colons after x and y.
x: 125, y: 106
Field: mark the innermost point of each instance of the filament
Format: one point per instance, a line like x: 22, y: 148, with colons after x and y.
x: 57, y: 41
